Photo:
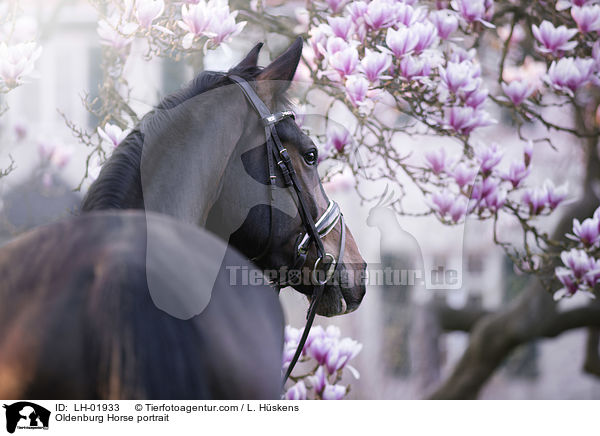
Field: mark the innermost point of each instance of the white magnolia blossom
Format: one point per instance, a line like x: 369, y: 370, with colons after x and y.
x: 112, y: 134
x: 146, y: 11
x: 17, y: 63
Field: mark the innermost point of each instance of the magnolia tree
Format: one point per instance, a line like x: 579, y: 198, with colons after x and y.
x: 19, y: 51
x: 400, y: 69
x: 448, y: 69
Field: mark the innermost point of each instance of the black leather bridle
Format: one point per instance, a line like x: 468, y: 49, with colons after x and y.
x: 278, y: 156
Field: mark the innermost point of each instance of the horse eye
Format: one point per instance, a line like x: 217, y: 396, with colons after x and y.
x: 310, y: 157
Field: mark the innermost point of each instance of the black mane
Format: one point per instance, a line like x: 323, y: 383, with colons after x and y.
x: 119, y: 184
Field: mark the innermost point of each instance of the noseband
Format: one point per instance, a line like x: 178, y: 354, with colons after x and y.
x: 314, y: 231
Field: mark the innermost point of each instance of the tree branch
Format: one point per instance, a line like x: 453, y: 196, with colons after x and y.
x: 531, y: 315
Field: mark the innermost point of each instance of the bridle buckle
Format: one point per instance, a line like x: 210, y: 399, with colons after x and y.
x: 330, y: 270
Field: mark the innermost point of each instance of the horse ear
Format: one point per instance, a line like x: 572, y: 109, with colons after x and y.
x: 251, y: 59
x: 282, y: 69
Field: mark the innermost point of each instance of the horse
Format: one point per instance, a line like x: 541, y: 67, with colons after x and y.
x: 77, y: 320
x: 186, y: 173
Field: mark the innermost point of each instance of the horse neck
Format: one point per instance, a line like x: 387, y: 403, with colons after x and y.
x: 186, y: 151
x: 175, y: 161
x: 118, y: 185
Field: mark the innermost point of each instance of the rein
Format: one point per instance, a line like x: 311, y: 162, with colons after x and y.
x: 278, y: 155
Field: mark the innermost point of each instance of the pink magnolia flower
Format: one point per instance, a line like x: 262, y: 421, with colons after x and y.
x: 334, y: 45
x: 318, y: 40
x: 318, y: 381
x: 592, y: 277
x: 195, y: 20
x: 535, y: 199
x: 555, y: 195
x: 296, y: 392
x: 516, y: 173
x: 495, y: 199
x: 291, y: 335
x: 437, y: 160
x: 474, y: 10
x: 483, y: 188
x: 357, y: 11
x: 412, y: 67
x: 587, y: 232
x: 554, y: 40
x: 401, y: 41
x: 148, y: 10
x: 445, y: 22
x: 476, y: 98
x: 223, y: 25
x: 458, y: 209
x: 374, y: 64
x: 442, y: 201
x: 319, y: 348
x: 460, y: 77
x: 488, y: 157
x: 426, y: 35
x: 356, y: 89
x: 112, y: 134
x: 466, y: 119
x: 338, y: 137
x: 336, y: 5
x: 582, y: 273
x: 314, y: 333
x: 345, y: 61
x: 578, y: 261
x: 569, y: 74
x: 334, y: 392
x: 570, y: 285
x: 518, y: 91
x: 380, y: 14
x: 405, y: 14
x: 587, y: 18
x: 464, y: 175
x: 341, y: 354
x: 341, y: 26
x: 459, y: 54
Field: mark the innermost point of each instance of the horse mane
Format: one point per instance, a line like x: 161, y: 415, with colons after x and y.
x: 119, y: 184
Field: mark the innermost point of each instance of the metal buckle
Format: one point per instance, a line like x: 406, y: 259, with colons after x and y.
x: 330, y: 270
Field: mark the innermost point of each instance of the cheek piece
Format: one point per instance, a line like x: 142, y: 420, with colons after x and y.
x: 278, y: 157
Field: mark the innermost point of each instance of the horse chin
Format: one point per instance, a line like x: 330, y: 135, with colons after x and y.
x: 333, y: 302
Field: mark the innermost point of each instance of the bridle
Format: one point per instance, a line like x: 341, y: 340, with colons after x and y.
x: 314, y: 231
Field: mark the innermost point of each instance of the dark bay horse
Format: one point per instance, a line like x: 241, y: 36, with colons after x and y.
x: 141, y: 304
x: 77, y: 320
